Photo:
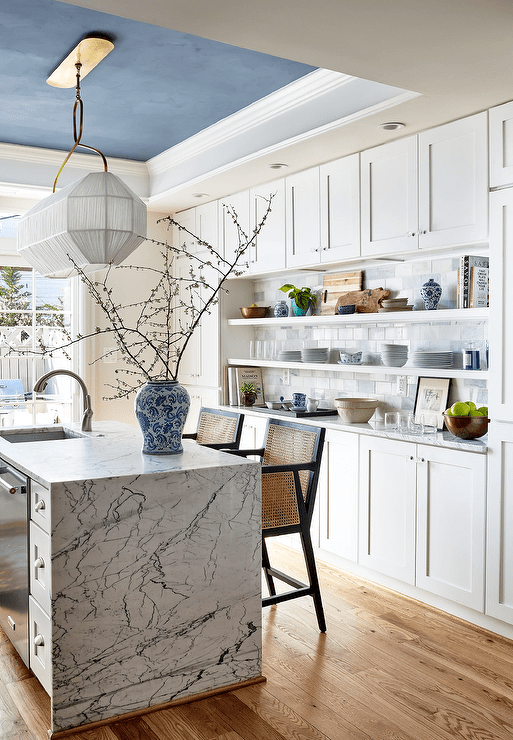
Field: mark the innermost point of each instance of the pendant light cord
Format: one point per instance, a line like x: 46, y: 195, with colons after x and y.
x: 77, y: 138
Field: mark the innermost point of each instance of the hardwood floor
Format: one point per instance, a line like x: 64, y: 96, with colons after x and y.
x: 388, y: 668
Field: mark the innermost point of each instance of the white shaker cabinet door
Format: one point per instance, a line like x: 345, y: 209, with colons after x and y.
x: 453, y: 183
x: 268, y: 252
x: 387, y: 507
x: 340, y: 209
x: 235, y: 205
x: 338, y: 495
x: 499, y: 555
x: 451, y: 510
x: 303, y: 218
x: 389, y: 198
x: 501, y: 317
x: 501, y: 145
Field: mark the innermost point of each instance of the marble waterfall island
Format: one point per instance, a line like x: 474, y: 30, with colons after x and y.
x: 155, y: 571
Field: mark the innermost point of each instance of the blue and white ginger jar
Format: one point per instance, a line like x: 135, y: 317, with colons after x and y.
x: 281, y: 310
x: 161, y: 408
x: 430, y: 293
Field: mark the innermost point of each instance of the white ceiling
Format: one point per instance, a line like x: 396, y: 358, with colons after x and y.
x: 457, y: 54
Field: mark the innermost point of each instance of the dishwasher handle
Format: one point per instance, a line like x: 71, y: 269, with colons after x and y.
x: 10, y: 488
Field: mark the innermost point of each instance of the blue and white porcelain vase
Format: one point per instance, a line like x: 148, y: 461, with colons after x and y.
x: 281, y: 310
x: 430, y: 293
x: 161, y: 408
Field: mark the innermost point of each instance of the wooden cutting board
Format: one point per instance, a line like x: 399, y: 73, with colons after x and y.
x: 335, y: 285
x: 366, y: 301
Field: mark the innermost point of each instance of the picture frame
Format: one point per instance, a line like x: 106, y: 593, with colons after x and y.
x: 431, y: 398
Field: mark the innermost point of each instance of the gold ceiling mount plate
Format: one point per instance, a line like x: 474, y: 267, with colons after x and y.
x: 89, y: 52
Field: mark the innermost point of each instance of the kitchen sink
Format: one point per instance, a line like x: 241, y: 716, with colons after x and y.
x: 39, y: 434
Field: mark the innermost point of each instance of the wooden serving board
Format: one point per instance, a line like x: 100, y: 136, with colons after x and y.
x: 366, y: 301
x: 336, y: 284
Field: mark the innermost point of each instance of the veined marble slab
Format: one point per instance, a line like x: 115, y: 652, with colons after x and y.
x: 155, y: 568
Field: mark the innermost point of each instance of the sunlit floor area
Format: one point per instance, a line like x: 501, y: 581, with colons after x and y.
x: 388, y: 668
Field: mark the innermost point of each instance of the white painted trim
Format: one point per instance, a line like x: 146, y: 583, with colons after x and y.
x: 308, y: 88
x: 332, y: 125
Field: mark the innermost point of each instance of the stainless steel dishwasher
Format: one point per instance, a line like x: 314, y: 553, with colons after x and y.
x: 14, y: 572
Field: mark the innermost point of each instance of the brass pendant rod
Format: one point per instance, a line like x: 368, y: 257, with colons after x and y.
x: 77, y: 137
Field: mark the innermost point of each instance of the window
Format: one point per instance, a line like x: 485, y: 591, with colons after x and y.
x: 34, y: 311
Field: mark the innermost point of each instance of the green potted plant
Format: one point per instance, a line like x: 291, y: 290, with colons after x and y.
x: 302, y: 298
x: 248, y: 394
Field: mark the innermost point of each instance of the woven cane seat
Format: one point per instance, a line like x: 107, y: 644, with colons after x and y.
x: 285, y: 446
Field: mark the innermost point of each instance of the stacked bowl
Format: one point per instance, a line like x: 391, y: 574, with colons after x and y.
x: 394, y: 355
x: 315, y: 354
x: 395, y: 304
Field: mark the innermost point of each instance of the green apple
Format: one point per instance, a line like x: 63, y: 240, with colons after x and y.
x: 460, y: 408
x: 472, y: 406
x: 449, y: 412
x: 475, y: 413
x: 483, y: 410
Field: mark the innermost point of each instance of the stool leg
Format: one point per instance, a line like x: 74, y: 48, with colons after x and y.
x: 306, y: 542
x: 266, y: 565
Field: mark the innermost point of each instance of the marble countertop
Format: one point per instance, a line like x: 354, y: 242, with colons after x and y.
x: 377, y: 429
x: 112, y: 449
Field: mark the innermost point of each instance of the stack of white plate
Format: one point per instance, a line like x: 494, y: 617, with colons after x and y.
x: 289, y: 355
x: 423, y: 358
x: 394, y: 355
x: 395, y: 304
x: 315, y: 354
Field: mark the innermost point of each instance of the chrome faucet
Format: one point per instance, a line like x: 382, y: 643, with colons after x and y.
x: 40, y: 385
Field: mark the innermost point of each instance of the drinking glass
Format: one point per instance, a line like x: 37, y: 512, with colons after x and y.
x: 391, y: 420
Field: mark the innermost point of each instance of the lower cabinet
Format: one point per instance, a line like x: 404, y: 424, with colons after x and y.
x: 337, y: 496
x: 422, y: 517
x: 208, y: 397
x: 499, y: 558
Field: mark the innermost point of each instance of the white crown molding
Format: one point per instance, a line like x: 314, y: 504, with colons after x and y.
x: 306, y: 89
x: 275, y: 148
x: 79, y: 161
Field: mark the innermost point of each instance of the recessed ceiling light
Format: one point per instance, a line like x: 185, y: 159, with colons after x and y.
x: 391, y: 125
x: 277, y: 166
x: 200, y: 195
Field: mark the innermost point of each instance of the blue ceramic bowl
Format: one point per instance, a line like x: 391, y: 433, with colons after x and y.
x: 346, y: 309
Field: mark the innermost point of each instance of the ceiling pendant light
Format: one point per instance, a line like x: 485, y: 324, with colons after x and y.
x: 94, y: 222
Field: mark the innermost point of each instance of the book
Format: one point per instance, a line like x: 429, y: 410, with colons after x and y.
x: 468, y: 261
x: 239, y: 375
x: 478, y: 287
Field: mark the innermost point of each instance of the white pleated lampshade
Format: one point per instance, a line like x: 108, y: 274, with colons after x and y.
x: 97, y: 221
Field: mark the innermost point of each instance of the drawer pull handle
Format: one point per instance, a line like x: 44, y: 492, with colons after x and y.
x: 40, y: 506
x: 39, y: 640
x: 39, y: 563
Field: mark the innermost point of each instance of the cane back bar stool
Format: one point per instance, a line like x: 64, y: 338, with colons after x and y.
x: 220, y: 430
x: 291, y: 461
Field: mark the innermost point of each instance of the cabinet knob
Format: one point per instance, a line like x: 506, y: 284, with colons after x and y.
x: 423, y: 231
x: 314, y: 249
x: 410, y: 233
x: 39, y: 563
x: 39, y: 640
x: 410, y: 457
x: 40, y: 506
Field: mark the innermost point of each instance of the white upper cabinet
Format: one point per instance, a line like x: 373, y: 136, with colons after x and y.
x: 201, y: 222
x: 183, y: 237
x: 340, y: 209
x: 268, y: 252
x: 389, y: 198
x: 501, y: 145
x: 501, y: 318
x: 230, y: 232
x: 453, y: 183
x: 443, y: 202
x: 303, y: 236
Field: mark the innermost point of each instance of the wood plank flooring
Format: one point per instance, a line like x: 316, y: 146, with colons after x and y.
x: 388, y: 668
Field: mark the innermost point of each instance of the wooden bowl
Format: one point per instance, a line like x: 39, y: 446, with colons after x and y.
x: 467, y: 427
x: 254, y: 312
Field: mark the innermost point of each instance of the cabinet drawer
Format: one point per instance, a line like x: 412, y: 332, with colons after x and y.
x: 40, y: 505
x: 40, y: 644
x: 39, y: 564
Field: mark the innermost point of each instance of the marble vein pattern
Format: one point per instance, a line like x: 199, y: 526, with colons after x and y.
x: 156, y: 585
